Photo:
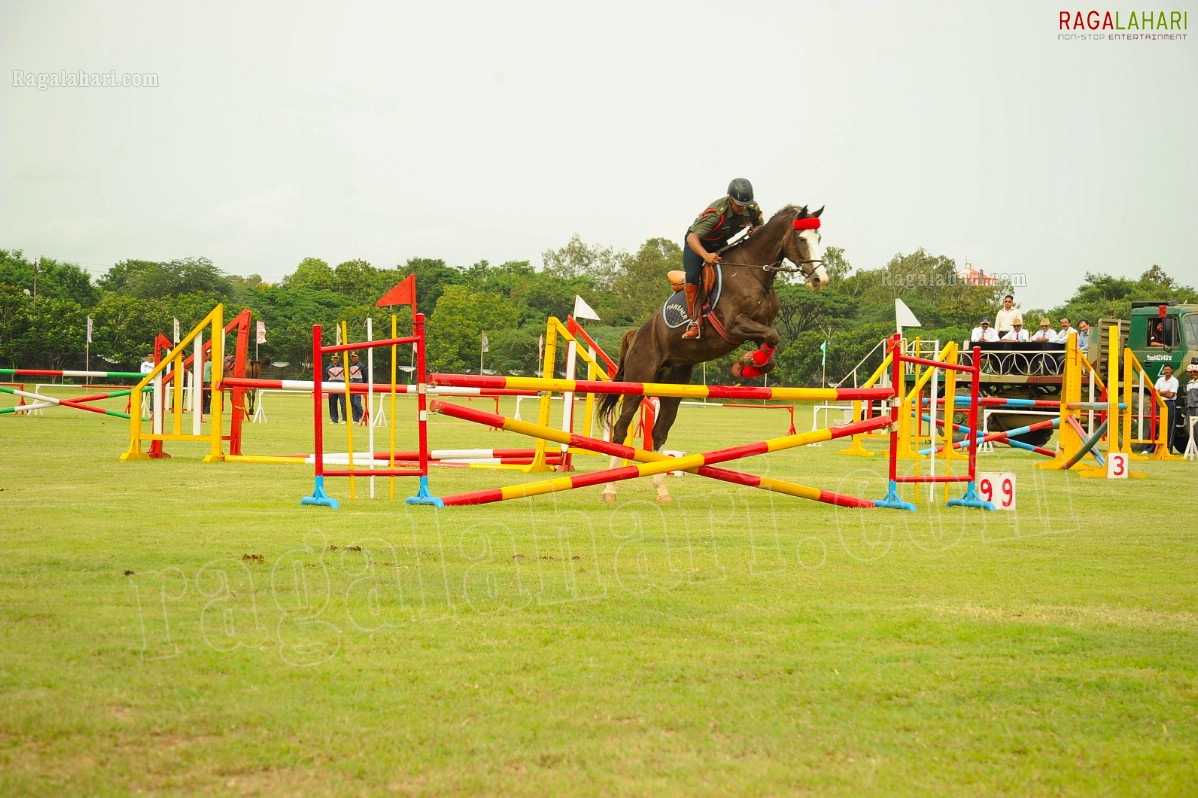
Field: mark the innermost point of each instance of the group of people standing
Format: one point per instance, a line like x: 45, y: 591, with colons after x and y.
x: 1009, y: 327
x: 335, y: 373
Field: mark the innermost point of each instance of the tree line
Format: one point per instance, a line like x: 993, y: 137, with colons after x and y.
x: 45, y: 305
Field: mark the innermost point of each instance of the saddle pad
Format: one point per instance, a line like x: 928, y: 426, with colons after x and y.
x: 674, y: 310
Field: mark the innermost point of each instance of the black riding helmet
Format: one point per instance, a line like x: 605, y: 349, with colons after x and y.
x: 741, y: 190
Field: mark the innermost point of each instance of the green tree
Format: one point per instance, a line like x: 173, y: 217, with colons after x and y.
x: 577, y: 259
x: 456, y: 326
x: 46, y: 278
x: 639, y: 285
x: 154, y: 280
x: 358, y: 282
x: 313, y: 274
x: 125, y: 326
x: 432, y: 278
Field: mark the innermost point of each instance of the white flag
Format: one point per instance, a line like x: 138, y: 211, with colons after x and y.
x: 176, y: 331
x: 89, y: 329
x: 903, y: 316
x: 261, y: 332
x: 486, y: 343
x: 582, y: 310
x: 540, y: 349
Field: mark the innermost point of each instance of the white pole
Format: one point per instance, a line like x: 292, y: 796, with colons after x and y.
x: 197, y: 383
x: 368, y: 399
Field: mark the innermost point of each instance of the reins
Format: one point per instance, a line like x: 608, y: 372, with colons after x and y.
x: 776, y: 266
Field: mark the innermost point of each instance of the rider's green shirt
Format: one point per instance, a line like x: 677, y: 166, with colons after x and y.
x: 718, y: 222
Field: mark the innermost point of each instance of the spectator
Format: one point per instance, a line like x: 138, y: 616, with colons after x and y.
x: 1045, y: 334
x: 356, y: 375
x: 207, y: 401
x: 1016, y: 333
x: 147, y: 364
x: 1192, y: 405
x: 1167, y: 386
x: 1083, y: 335
x: 1065, y: 331
x: 983, y: 333
x: 1004, y: 319
x: 336, y: 374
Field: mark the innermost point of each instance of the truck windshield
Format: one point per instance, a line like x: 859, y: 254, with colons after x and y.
x: 1190, y: 323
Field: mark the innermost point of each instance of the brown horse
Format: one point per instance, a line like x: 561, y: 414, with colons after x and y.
x: 253, y: 371
x: 746, y: 309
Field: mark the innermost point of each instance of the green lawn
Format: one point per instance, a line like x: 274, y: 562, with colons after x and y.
x: 175, y: 627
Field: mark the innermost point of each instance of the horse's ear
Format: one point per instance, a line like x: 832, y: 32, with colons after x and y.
x: 817, y: 213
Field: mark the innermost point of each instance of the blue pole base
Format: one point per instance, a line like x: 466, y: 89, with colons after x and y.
x: 971, y: 499
x: 892, y: 500
x: 424, y: 497
x: 319, y: 498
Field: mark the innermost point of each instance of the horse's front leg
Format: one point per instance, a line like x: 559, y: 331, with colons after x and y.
x: 754, y: 364
x: 746, y: 328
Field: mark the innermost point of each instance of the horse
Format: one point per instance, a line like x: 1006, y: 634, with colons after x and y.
x: 253, y: 371
x: 745, y: 310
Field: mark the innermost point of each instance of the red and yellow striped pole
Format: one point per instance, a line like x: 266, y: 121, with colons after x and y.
x: 660, y: 389
x: 650, y: 463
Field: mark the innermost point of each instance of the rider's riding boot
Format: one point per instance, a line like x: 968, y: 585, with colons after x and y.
x: 695, y: 327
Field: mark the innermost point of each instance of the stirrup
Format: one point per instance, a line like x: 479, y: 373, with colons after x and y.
x: 692, y: 331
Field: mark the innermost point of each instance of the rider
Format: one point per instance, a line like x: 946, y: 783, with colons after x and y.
x: 709, y: 233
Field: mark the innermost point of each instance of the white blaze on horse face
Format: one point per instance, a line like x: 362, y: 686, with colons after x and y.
x: 818, y: 278
x: 812, y: 250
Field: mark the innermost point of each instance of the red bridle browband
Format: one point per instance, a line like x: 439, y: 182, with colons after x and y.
x: 810, y: 223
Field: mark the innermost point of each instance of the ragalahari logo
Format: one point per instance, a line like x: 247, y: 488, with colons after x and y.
x: 1129, y: 25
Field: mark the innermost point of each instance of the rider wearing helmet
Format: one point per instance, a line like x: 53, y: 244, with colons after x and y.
x: 710, y: 232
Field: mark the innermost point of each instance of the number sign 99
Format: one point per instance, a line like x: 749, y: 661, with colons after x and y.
x: 998, y: 488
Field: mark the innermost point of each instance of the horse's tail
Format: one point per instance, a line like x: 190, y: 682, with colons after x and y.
x: 606, y: 406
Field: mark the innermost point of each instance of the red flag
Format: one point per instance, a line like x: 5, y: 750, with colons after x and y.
x: 402, y: 294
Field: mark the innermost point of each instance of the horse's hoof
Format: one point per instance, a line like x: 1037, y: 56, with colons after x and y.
x: 665, y: 498
x: 608, y: 498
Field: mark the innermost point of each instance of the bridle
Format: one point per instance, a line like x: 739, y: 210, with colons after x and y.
x: 808, y: 223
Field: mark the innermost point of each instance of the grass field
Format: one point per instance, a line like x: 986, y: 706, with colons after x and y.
x: 181, y: 628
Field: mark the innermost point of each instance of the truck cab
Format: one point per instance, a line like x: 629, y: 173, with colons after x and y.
x: 1163, y: 333
x: 1166, y: 334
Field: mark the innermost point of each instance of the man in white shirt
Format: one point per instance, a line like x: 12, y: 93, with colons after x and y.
x: 1167, y: 386
x: 983, y: 332
x: 1016, y: 333
x: 1045, y: 334
x: 1065, y: 331
x: 1004, y: 319
x: 147, y: 365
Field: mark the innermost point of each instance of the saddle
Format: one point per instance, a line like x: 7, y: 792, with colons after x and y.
x: 674, y: 310
x: 677, y: 279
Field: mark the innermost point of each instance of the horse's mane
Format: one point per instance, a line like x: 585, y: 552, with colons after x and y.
x: 787, y: 212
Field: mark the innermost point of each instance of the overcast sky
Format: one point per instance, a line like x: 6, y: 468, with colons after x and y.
x: 469, y: 131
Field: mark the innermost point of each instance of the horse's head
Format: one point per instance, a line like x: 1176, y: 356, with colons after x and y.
x: 803, y: 248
